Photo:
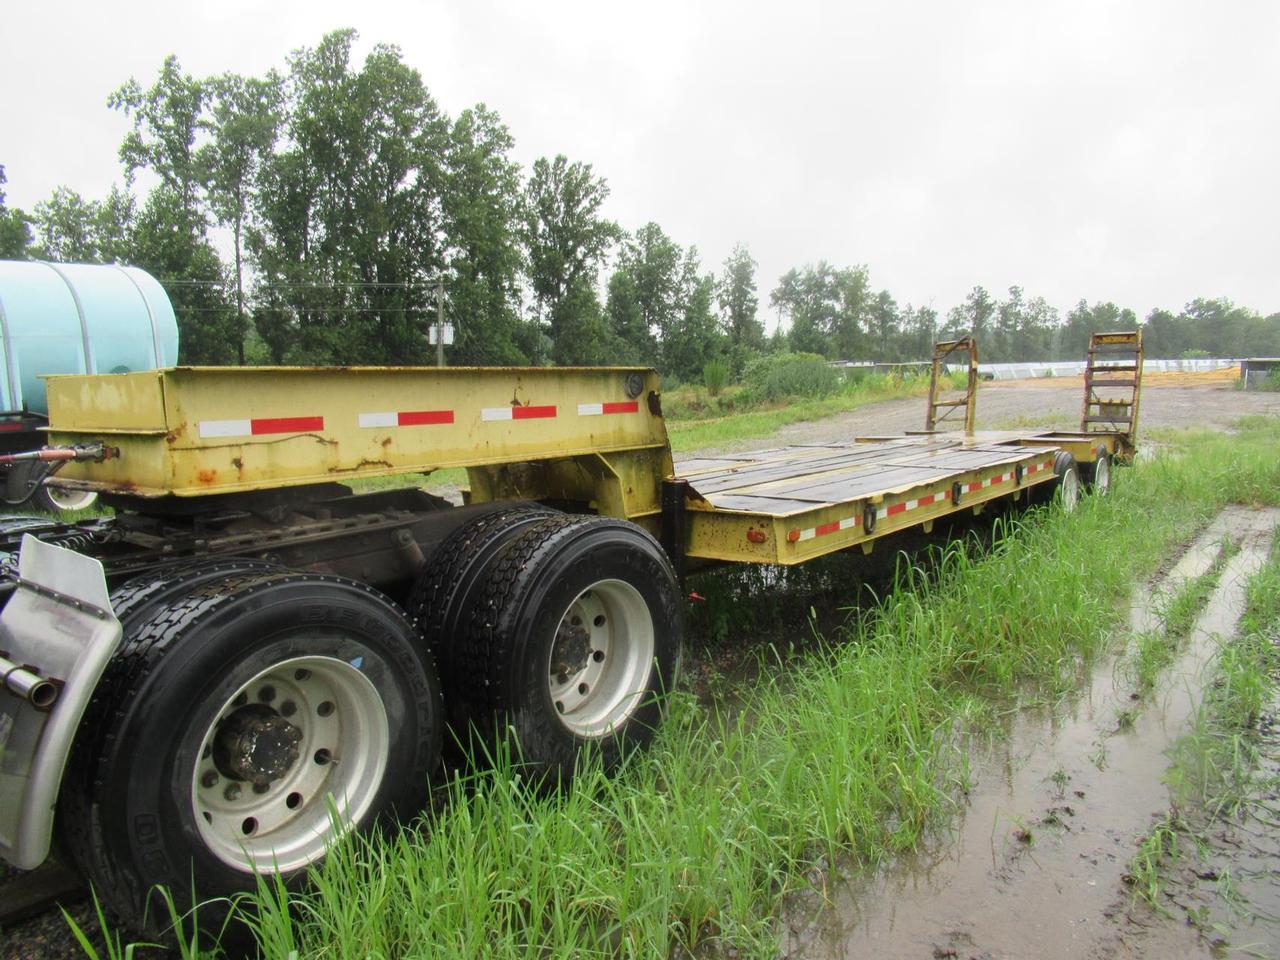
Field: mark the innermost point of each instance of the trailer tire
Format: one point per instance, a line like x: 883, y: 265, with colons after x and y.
x: 207, y: 755
x: 573, y: 643
x: 1100, y: 475
x: 443, y: 592
x: 1067, y: 489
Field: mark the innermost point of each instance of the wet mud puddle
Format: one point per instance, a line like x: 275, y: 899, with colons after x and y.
x: 1035, y: 867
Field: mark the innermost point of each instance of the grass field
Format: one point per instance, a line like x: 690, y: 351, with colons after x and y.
x: 846, y: 758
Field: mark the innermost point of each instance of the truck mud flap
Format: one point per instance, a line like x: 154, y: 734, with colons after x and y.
x: 56, y: 635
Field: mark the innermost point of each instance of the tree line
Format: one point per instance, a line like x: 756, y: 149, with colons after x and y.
x: 309, y: 216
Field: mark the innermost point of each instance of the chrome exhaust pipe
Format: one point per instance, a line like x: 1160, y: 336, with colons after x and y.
x: 39, y: 691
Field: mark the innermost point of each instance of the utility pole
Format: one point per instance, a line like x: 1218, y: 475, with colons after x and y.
x: 439, y: 321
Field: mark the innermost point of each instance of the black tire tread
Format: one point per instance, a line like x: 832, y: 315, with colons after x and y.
x: 435, y: 591
x: 97, y: 741
x: 482, y: 668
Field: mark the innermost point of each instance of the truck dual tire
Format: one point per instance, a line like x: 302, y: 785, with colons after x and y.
x: 571, y: 644
x: 247, y: 722
x: 447, y: 585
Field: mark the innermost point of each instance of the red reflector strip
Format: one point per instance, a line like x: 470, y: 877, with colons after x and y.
x: 599, y: 409
x: 419, y: 418
x: 10, y: 427
x: 285, y: 425
x: 517, y: 413
x: 895, y: 508
x: 404, y: 418
x: 260, y: 426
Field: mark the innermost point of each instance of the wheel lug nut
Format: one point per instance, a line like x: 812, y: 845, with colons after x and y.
x: 232, y: 792
x: 209, y: 778
x: 261, y: 788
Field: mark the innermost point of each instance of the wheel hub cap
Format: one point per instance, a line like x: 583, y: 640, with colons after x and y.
x: 256, y: 744
x: 572, y: 649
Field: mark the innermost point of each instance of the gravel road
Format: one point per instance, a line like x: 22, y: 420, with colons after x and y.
x: 1022, y: 403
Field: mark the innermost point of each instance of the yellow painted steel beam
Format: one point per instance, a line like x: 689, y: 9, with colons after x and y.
x: 192, y: 431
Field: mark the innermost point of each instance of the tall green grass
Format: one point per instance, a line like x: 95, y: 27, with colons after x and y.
x: 848, y: 757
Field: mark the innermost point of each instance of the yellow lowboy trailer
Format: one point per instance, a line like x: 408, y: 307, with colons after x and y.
x: 249, y: 657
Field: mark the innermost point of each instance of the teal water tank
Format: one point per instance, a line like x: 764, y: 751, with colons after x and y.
x: 78, y: 318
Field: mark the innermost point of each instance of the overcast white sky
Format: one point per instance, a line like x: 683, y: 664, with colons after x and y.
x: 1106, y: 150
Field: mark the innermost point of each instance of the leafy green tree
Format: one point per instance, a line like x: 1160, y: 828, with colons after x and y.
x: 566, y: 239
x: 1084, y: 320
x: 242, y: 123
x: 581, y: 336
x: 919, y: 331
x: 736, y: 295
x: 883, y: 322
x: 65, y: 228
x: 694, y: 338
x: 166, y: 121
x: 653, y: 260
x: 626, y: 327
x: 481, y: 221
x: 165, y: 242
x: 15, y: 230
x: 349, y: 238
x: 974, y: 316
x: 828, y: 309
x: 71, y: 229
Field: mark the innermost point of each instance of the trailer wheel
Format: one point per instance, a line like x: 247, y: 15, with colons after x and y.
x: 574, y: 641
x: 58, y: 500
x: 246, y: 726
x: 1100, y: 475
x: 1067, y: 489
x: 443, y: 593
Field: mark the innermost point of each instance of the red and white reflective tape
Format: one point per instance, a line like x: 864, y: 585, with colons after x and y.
x: 990, y: 481
x: 1037, y: 467
x: 848, y: 523
x: 893, y: 509
x: 405, y: 418
x: 517, y: 413
x: 599, y: 409
x: 808, y: 533
x: 260, y: 426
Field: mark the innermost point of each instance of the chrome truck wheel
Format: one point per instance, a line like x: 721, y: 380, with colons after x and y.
x: 236, y: 715
x: 572, y: 643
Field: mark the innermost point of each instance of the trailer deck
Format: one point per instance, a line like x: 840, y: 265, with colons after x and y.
x: 789, y: 504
